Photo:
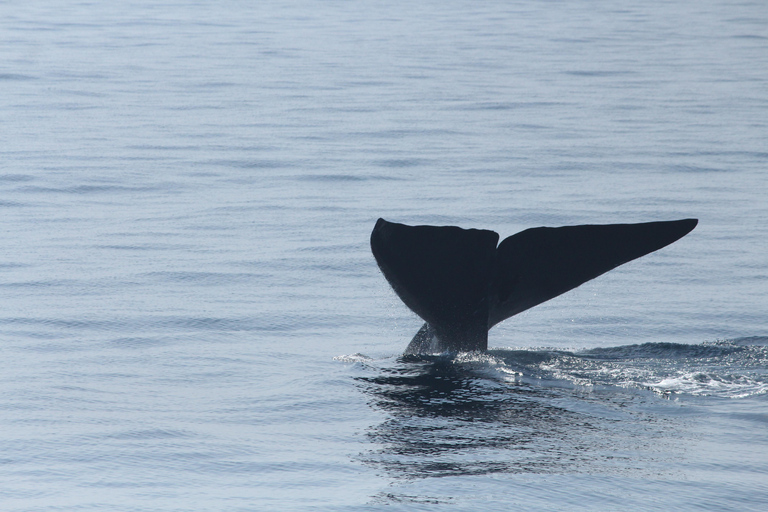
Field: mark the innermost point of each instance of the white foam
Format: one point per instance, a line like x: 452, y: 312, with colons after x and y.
x: 353, y: 358
x: 706, y: 384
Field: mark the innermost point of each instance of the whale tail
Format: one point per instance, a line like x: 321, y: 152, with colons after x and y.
x: 462, y: 284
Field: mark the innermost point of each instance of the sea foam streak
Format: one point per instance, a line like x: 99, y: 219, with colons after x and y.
x: 728, y: 369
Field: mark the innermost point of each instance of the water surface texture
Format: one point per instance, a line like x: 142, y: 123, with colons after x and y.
x: 191, y: 316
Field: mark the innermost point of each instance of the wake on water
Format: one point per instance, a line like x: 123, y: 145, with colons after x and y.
x: 728, y: 369
x: 735, y: 368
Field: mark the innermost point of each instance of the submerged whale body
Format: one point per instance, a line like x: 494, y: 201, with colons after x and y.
x: 462, y: 284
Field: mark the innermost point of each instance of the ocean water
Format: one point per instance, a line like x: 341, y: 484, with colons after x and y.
x: 191, y: 317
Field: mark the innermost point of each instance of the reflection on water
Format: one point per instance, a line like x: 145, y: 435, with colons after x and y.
x: 450, y: 418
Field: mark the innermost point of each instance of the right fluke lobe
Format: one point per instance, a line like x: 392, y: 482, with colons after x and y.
x: 538, y: 264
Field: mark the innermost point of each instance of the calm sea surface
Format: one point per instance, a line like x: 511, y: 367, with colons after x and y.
x: 191, y: 317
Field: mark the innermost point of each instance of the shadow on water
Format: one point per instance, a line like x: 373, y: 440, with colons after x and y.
x: 452, y: 418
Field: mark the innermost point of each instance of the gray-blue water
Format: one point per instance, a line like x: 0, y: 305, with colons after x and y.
x: 191, y: 317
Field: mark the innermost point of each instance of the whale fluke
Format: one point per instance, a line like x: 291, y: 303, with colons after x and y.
x: 462, y: 284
